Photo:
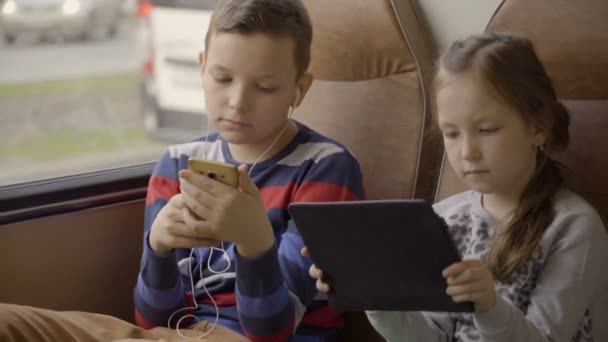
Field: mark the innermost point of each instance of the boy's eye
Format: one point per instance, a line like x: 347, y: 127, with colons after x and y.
x: 221, y: 79
x: 266, y: 89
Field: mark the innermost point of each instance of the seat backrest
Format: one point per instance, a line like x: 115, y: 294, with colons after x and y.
x: 575, y: 54
x: 371, y: 63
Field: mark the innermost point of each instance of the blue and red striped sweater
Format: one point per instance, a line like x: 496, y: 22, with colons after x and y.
x: 272, y: 297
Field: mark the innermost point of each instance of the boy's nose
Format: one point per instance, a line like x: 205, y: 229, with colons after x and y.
x: 238, y: 100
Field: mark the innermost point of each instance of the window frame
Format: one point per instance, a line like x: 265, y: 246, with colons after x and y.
x: 43, y: 198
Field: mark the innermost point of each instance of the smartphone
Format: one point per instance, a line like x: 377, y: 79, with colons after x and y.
x: 221, y: 172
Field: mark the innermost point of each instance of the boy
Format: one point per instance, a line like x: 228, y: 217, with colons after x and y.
x: 252, y: 280
x: 254, y: 69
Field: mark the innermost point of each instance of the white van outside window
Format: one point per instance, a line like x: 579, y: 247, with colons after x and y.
x: 173, y: 33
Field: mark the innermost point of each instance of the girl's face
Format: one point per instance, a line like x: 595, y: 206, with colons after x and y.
x: 489, y: 145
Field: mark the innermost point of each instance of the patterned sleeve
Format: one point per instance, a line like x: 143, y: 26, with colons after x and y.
x: 572, y: 279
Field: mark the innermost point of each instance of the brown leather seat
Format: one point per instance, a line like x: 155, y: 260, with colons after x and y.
x: 575, y: 54
x: 372, y: 63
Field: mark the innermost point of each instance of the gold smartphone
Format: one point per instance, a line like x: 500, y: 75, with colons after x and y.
x: 221, y: 172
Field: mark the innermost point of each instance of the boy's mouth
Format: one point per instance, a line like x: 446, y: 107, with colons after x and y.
x: 234, y: 124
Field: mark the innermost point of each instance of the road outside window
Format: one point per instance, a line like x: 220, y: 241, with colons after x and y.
x: 73, y: 80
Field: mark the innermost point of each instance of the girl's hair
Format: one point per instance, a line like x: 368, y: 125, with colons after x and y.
x: 511, y: 68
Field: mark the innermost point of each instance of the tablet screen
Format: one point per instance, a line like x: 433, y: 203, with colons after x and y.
x: 380, y: 255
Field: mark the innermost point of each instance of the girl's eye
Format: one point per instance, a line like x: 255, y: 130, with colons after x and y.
x: 489, y: 130
x: 450, y: 135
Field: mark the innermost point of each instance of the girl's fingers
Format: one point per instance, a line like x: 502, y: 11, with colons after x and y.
x: 321, y: 286
x: 455, y: 290
x: 467, y: 276
x: 459, y: 267
x: 475, y: 297
x: 454, y: 270
x: 315, y: 272
x: 463, y: 298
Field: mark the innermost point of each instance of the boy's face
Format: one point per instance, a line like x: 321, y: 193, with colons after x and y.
x: 489, y: 145
x: 249, y: 82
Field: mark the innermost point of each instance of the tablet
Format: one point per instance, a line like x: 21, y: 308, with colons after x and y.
x: 381, y: 254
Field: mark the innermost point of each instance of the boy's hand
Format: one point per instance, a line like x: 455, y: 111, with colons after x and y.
x: 169, y: 230
x: 316, y: 273
x: 217, y: 211
x: 471, y: 280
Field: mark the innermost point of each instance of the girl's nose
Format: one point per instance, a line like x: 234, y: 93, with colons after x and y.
x: 470, y: 149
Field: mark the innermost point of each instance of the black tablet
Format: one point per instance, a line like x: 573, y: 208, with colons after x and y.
x: 380, y: 255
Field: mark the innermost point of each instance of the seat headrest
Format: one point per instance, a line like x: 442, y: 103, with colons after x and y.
x: 570, y: 38
x: 364, y: 45
x: 371, y: 64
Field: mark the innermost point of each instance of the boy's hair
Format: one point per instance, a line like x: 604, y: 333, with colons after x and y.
x: 286, y: 18
x: 513, y: 71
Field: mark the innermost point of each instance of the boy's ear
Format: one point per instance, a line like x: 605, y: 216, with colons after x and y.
x: 303, y: 86
x: 201, y: 58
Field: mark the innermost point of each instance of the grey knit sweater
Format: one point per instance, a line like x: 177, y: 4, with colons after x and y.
x: 560, y: 294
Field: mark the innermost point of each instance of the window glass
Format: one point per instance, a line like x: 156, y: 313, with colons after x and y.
x: 88, y: 85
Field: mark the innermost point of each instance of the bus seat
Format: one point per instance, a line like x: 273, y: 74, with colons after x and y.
x: 84, y: 260
x: 575, y: 54
x: 371, y: 63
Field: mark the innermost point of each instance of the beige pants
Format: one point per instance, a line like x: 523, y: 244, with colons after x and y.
x: 25, y: 323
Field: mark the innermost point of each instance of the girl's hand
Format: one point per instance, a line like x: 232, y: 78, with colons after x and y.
x: 471, y: 280
x: 316, y: 273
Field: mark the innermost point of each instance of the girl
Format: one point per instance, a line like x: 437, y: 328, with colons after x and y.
x: 532, y: 250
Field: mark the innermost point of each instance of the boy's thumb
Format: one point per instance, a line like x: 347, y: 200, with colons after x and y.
x: 246, y: 184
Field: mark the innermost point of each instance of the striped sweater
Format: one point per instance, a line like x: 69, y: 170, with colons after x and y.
x: 269, y: 298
